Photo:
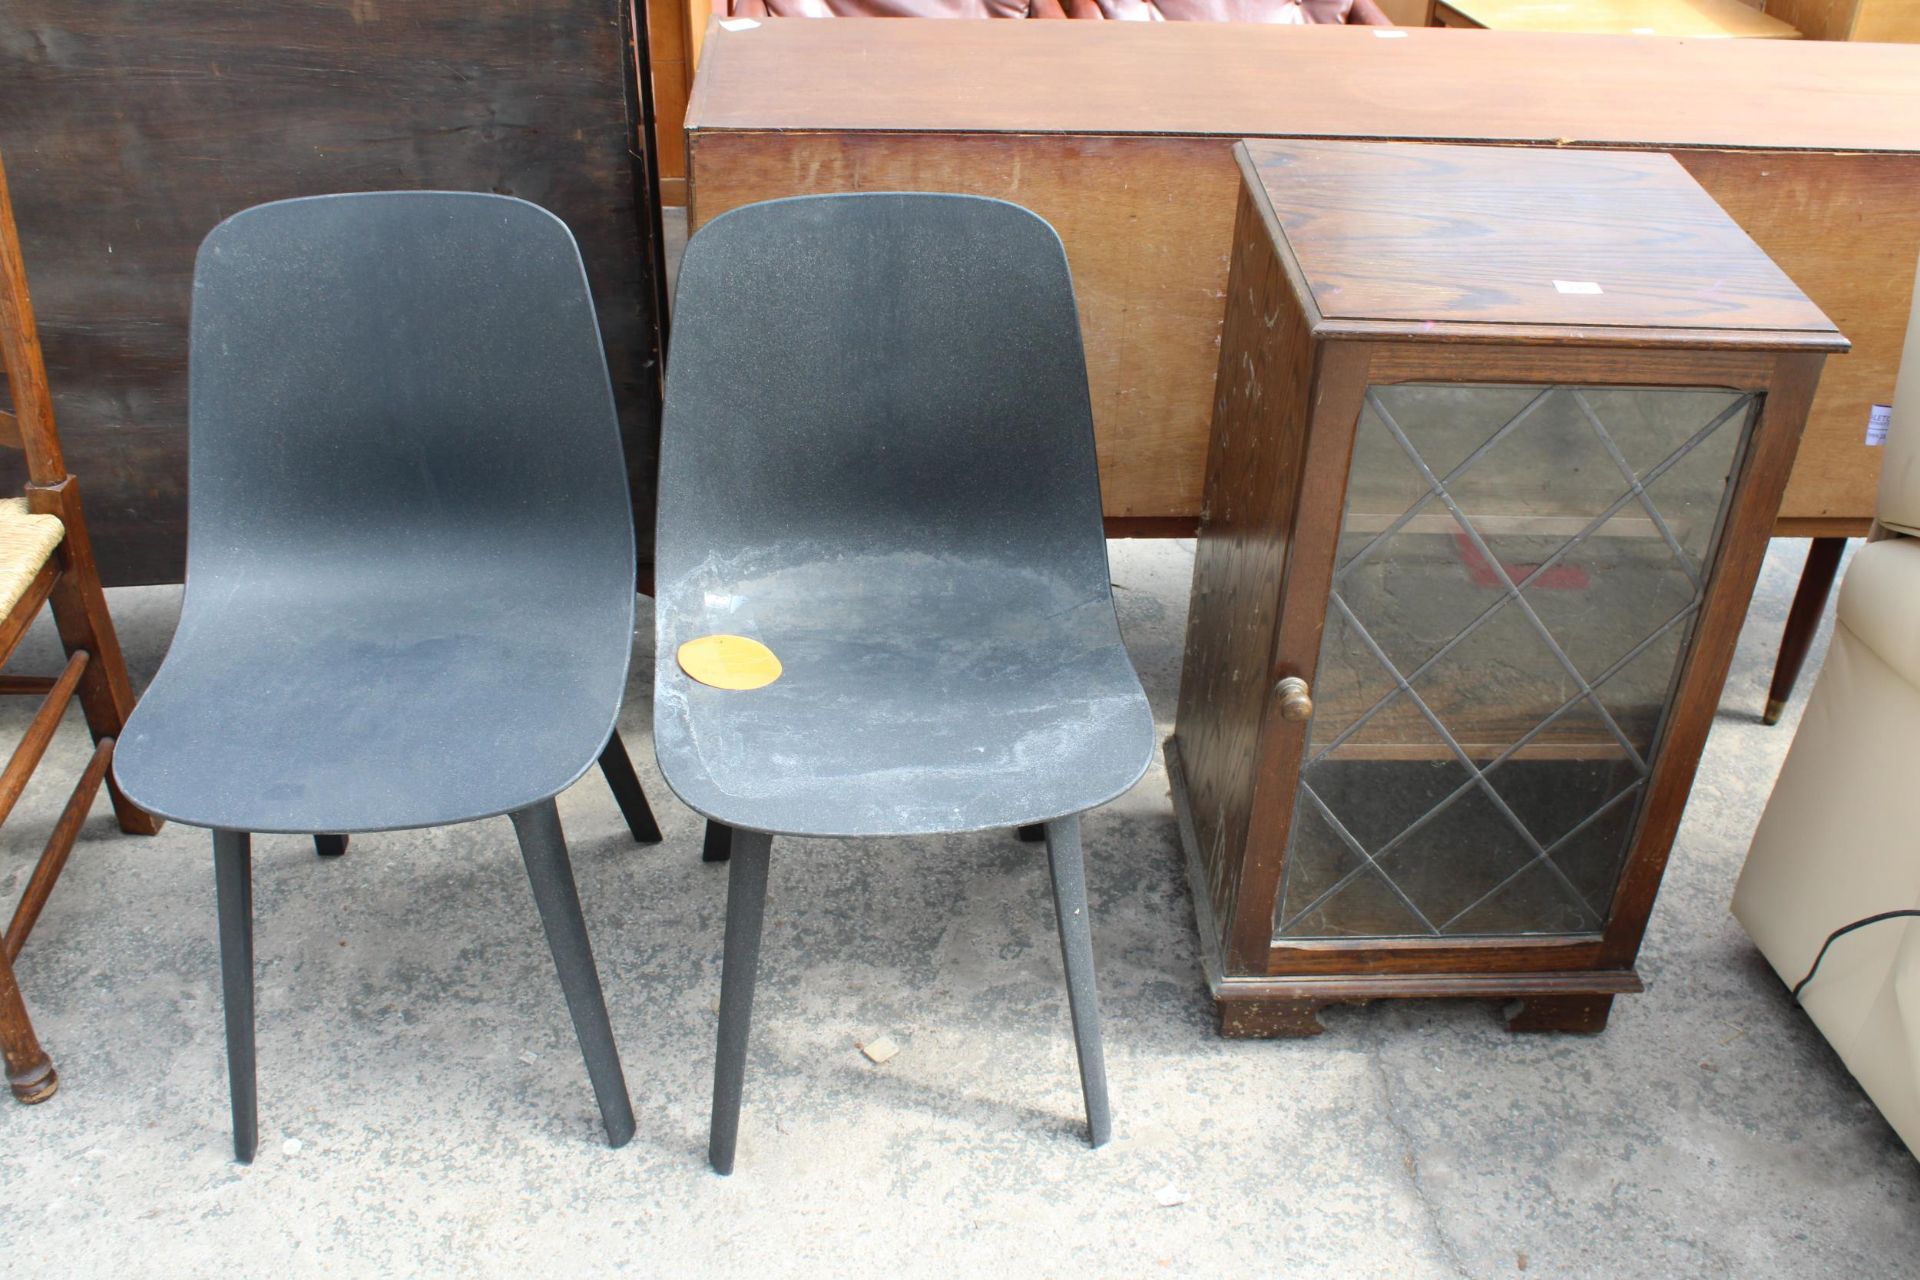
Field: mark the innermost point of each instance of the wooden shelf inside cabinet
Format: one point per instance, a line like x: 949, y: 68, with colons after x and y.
x: 1498, y: 438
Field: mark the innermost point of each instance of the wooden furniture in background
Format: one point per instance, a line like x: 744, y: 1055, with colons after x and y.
x: 1121, y: 136
x: 1690, y: 19
x: 46, y: 558
x: 1497, y: 442
x: 133, y: 129
x: 1896, y: 21
x: 673, y: 49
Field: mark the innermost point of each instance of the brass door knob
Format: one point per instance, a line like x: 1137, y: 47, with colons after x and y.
x: 1296, y: 700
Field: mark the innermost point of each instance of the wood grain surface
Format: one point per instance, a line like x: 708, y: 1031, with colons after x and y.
x: 130, y: 129
x: 1260, y: 403
x: 1431, y: 234
x: 1308, y: 81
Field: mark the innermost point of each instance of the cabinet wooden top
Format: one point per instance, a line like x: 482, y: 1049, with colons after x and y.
x: 1699, y: 19
x: 1237, y: 81
x: 1521, y: 244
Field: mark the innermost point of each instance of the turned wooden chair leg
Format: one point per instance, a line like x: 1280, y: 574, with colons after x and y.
x: 29, y: 1070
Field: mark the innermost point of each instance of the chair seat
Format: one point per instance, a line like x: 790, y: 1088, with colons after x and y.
x: 27, y: 541
x: 289, y: 711
x: 916, y: 697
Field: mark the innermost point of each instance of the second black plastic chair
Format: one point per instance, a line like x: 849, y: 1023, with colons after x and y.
x: 410, y: 561
x: 878, y: 459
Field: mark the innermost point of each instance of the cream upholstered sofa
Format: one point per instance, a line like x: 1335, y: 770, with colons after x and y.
x: 1840, y: 839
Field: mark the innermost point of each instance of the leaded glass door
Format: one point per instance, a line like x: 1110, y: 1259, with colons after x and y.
x: 1518, y: 575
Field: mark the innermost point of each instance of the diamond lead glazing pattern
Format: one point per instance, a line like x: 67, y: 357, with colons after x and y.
x: 1518, y: 576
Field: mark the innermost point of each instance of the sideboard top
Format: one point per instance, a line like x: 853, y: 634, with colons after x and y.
x: 1421, y: 237
x: 1232, y: 80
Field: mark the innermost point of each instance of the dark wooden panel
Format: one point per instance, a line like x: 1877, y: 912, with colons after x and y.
x: 130, y: 129
x: 1527, y: 238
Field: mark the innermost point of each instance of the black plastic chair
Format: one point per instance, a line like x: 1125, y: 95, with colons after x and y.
x: 410, y: 562
x: 878, y: 460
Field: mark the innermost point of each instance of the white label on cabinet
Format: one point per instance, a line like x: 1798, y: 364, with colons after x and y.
x: 1576, y: 286
x: 737, y: 24
x: 1877, y: 423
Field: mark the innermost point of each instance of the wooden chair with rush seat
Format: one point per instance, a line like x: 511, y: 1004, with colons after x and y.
x: 46, y: 558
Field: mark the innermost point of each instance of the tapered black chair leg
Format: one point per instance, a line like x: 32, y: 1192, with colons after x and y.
x: 233, y: 888
x: 1033, y: 834
x: 719, y: 842
x: 329, y: 846
x: 1076, y: 952
x: 544, y: 847
x: 746, y: 909
x: 617, y: 766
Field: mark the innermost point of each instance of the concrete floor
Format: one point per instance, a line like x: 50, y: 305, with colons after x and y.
x: 424, y: 1110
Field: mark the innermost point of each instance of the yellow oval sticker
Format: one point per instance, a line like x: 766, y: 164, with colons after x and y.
x: 729, y: 662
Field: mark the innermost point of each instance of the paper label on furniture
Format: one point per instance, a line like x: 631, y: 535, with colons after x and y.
x: 1576, y: 286
x: 729, y: 662
x: 737, y: 24
x: 1878, y: 420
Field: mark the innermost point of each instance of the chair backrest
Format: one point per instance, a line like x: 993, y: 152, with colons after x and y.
x: 396, y: 384
x: 1899, y: 504
x: 26, y: 423
x: 873, y: 374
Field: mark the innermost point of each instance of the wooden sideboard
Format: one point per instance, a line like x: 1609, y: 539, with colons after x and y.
x: 1121, y: 136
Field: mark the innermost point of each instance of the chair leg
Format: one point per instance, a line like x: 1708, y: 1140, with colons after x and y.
x: 233, y: 886
x: 80, y: 616
x: 328, y: 846
x: 544, y: 847
x: 617, y: 765
x: 1076, y: 952
x: 29, y: 1071
x: 718, y: 846
x: 746, y: 909
x: 1032, y: 834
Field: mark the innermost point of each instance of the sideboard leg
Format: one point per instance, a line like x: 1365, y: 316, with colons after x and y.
x: 1803, y: 619
x: 1560, y: 1013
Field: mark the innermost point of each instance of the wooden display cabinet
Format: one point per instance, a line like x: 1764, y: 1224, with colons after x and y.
x: 1497, y: 442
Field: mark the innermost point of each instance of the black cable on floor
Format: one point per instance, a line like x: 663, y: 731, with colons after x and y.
x: 1842, y: 932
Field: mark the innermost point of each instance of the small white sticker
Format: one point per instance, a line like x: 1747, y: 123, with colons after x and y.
x: 1576, y: 286
x: 737, y: 24
x: 1877, y: 423
x: 1384, y: 33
